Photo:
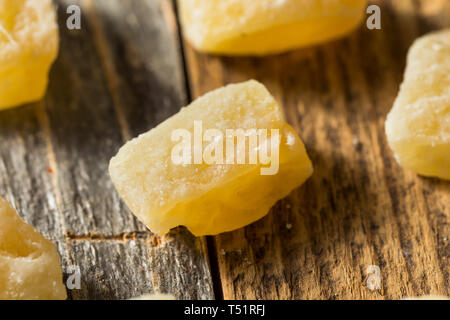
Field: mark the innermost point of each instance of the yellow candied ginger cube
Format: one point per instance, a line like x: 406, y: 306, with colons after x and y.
x: 217, y: 165
x: 29, y: 263
x: 259, y: 27
x: 418, y: 126
x: 28, y: 47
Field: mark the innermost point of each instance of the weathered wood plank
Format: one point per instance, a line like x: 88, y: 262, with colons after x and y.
x: 25, y: 176
x: 85, y: 134
x: 105, y: 269
x: 113, y: 79
x: 139, y: 47
x: 360, y: 208
x: 179, y: 265
x: 144, y: 86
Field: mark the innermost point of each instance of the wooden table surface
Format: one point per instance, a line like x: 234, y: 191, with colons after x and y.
x: 127, y: 70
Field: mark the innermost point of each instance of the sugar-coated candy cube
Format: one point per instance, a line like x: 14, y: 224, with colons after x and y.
x: 260, y: 27
x: 216, y: 184
x: 29, y: 263
x: 418, y: 126
x: 28, y: 47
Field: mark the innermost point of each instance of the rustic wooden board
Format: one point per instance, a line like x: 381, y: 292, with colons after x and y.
x: 359, y: 208
x: 125, y: 71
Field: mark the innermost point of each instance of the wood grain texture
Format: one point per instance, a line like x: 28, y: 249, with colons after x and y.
x: 360, y: 208
x: 118, y: 76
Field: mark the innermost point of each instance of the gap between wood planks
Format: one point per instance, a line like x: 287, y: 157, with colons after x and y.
x: 210, y: 240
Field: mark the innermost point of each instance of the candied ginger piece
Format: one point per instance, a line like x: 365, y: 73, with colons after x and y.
x: 29, y: 263
x: 211, y: 197
x: 28, y: 47
x: 259, y: 27
x: 418, y: 126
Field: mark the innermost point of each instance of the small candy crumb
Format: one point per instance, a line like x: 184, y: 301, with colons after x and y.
x: 155, y: 296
